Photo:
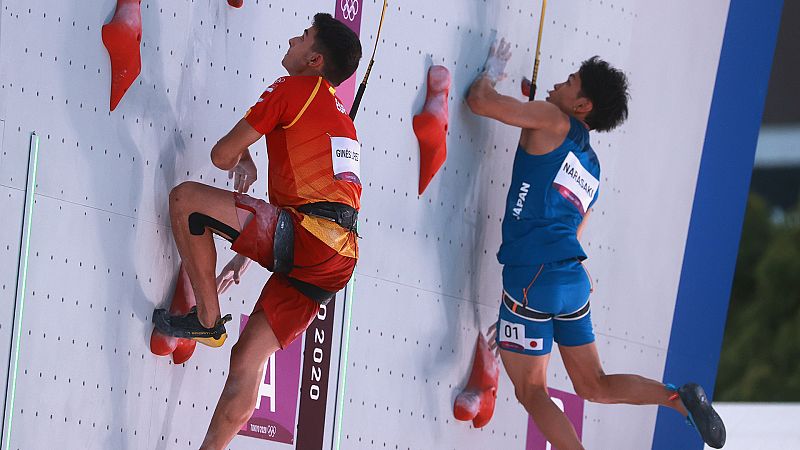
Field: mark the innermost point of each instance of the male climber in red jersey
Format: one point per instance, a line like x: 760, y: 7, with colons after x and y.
x: 305, y: 235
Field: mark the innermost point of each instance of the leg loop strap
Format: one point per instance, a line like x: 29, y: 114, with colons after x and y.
x: 283, y: 244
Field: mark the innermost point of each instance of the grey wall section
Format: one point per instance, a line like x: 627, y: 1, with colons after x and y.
x: 781, y: 105
x: 102, y: 254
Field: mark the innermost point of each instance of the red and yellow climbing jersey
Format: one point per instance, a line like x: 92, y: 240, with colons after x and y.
x: 313, y: 152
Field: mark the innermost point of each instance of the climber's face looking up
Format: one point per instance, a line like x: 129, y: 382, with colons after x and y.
x: 301, y: 59
x: 568, y: 96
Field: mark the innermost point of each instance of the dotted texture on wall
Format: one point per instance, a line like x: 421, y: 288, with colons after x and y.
x: 428, y: 279
x: 102, y: 255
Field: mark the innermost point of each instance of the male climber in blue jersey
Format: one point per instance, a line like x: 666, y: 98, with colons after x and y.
x: 554, y: 183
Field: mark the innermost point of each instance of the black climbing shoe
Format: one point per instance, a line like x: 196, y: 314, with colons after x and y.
x: 702, y: 415
x: 189, y: 327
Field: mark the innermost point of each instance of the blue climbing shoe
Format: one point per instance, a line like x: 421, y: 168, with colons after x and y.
x: 702, y: 416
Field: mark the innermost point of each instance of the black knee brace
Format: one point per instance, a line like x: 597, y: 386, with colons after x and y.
x: 198, y: 223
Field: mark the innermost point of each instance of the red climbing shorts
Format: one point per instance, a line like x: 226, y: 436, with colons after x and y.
x: 288, y: 311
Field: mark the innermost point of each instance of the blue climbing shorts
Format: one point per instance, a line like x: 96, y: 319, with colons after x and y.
x: 544, y: 303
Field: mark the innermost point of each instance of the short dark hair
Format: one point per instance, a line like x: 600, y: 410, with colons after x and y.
x: 607, y: 88
x: 339, y: 46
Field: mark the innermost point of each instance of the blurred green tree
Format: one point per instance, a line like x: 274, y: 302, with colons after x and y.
x: 760, y: 360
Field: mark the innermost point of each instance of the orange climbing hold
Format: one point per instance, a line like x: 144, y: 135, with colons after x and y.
x: 430, y: 126
x: 182, y: 301
x: 476, y: 401
x: 122, y: 37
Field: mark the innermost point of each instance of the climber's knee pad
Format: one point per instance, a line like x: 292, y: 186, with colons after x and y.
x: 198, y: 222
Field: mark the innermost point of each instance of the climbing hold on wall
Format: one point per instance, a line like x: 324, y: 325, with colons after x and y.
x: 122, y: 37
x: 183, y: 350
x: 430, y: 126
x: 476, y: 401
x: 236, y: 3
x: 182, y: 301
x: 525, y: 85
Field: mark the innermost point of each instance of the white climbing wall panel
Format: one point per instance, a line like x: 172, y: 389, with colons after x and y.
x: 428, y: 279
x: 102, y: 257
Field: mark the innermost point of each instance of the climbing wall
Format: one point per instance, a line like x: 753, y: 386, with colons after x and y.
x: 101, y: 255
x: 428, y: 280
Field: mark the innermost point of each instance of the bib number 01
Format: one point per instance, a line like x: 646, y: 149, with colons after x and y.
x: 512, y: 332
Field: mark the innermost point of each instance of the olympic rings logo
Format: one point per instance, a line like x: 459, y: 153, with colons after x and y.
x: 349, y: 9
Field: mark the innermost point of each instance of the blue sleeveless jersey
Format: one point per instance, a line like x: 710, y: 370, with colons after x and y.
x: 547, y: 199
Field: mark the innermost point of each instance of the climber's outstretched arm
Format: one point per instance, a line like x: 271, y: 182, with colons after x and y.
x: 485, y: 101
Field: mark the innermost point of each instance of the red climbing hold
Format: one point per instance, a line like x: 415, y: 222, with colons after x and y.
x: 236, y: 3
x: 430, y: 126
x: 525, y: 86
x: 183, y: 351
x: 476, y: 401
x: 121, y: 37
x: 182, y: 301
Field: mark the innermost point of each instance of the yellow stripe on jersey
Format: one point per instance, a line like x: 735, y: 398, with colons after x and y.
x: 308, y: 102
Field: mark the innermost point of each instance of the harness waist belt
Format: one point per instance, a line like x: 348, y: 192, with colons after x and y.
x: 344, y: 215
x: 524, y: 311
